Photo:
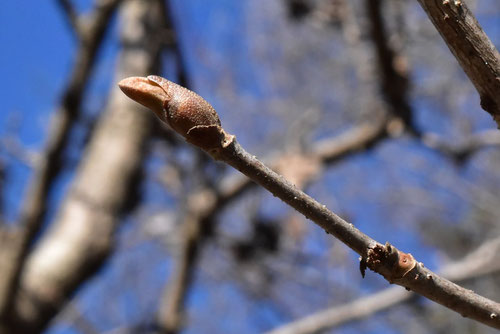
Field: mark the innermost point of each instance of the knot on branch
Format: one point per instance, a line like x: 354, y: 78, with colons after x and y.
x: 388, y: 261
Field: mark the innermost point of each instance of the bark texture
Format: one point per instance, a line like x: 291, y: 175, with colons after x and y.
x: 474, y: 51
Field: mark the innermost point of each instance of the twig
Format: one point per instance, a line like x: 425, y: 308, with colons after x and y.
x: 196, y: 120
x: 71, y: 15
x: 483, y: 261
x: 393, y: 73
x: 171, y: 316
x: 464, y: 148
x: 171, y: 313
x: 472, y: 48
x: 327, y: 151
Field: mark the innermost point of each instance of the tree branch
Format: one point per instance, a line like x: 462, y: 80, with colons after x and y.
x: 71, y: 16
x: 472, y: 48
x: 193, y: 118
x: 483, y: 261
x: 171, y: 311
x: 393, y: 72
x: 464, y: 148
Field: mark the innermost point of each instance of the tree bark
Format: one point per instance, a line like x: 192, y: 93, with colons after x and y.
x: 474, y: 51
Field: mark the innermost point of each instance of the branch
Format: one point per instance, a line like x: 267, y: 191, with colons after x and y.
x: 464, y: 148
x: 195, y: 119
x: 472, y: 48
x: 171, y: 312
x: 71, y: 15
x: 483, y: 261
x: 327, y: 151
x: 392, y: 68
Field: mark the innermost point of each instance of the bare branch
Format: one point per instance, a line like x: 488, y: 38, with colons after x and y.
x: 472, y: 48
x: 171, y: 311
x: 193, y: 118
x: 326, y: 151
x: 14, y: 148
x: 392, y: 67
x: 339, y: 315
x: 465, y: 147
x: 71, y: 15
x: 395, y: 88
x: 481, y: 262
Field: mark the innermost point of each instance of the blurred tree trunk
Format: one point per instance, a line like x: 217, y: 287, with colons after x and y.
x: 81, y: 237
x: 16, y: 241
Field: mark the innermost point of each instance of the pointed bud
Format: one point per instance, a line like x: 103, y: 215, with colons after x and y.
x: 185, y: 111
x: 141, y: 90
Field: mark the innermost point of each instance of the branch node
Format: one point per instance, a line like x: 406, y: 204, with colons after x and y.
x: 389, y: 261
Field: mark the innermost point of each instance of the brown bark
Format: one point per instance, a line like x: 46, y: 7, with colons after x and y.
x: 472, y: 48
x: 393, y: 74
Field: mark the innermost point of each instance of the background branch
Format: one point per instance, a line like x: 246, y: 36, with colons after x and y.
x: 483, y: 261
x: 472, y: 48
x: 197, y: 121
x: 48, y: 165
x: 71, y: 16
x: 80, y: 238
x: 392, y: 68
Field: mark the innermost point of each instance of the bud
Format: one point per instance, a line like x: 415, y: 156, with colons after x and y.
x: 185, y: 111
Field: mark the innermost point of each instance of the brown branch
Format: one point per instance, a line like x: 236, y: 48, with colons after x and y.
x: 472, y: 48
x: 71, y: 15
x: 48, y: 166
x: 461, y: 150
x: 395, y: 88
x: 394, y: 265
x: 171, y: 312
x: 481, y: 262
x: 392, y: 68
x: 327, y: 151
x: 193, y: 118
x: 81, y: 237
